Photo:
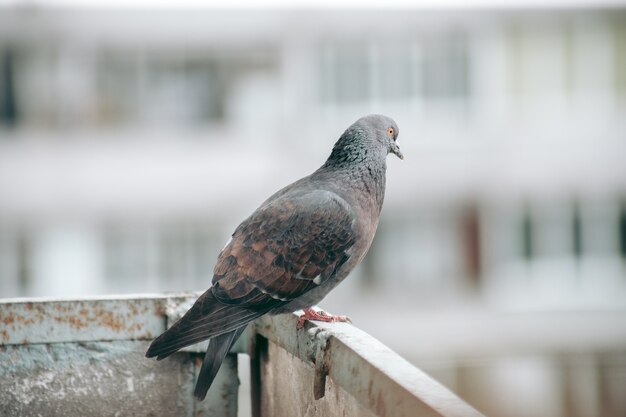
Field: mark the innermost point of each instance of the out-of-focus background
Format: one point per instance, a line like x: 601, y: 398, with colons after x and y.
x: 134, y: 140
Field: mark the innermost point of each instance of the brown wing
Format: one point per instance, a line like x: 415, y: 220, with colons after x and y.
x: 274, y: 256
x: 284, y: 249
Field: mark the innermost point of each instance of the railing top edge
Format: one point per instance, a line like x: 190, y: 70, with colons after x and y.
x: 85, y: 319
x: 366, y: 368
x: 106, y: 297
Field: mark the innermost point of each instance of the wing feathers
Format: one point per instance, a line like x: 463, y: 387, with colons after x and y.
x: 219, y: 346
x: 277, y: 253
x: 206, y: 318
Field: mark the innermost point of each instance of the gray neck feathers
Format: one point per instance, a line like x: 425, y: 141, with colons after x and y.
x: 361, y: 161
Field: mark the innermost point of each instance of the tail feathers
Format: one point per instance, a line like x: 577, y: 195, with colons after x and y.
x: 207, y: 318
x: 215, y: 354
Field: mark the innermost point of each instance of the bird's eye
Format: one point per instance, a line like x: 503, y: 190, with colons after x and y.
x: 390, y: 131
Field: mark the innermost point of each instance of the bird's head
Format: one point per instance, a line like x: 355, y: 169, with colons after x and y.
x: 373, y: 136
x: 384, y: 130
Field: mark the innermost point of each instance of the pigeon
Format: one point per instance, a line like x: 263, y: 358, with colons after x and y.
x: 293, y: 250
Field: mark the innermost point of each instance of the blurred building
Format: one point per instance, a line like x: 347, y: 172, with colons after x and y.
x: 132, y: 142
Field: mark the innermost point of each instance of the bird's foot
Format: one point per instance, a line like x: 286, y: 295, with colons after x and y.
x: 310, y: 314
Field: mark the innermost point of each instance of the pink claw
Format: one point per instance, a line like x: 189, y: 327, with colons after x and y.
x: 310, y: 314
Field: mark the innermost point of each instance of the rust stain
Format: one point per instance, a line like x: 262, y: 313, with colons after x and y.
x: 60, y: 307
x: 86, y: 317
x: 25, y: 341
x: 106, y: 318
x: 76, y: 322
x: 79, y: 316
x: 72, y: 321
x: 8, y: 319
x: 376, y: 399
x: 133, y: 309
x: 381, y: 410
x: 41, y: 310
x: 16, y: 318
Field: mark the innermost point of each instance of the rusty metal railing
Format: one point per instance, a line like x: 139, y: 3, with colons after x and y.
x: 86, y: 357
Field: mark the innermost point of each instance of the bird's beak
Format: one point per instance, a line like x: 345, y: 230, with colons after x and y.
x: 395, y: 149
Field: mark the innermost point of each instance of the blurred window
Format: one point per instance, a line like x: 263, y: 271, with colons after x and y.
x: 619, y: 42
x: 175, y: 90
x: 470, y: 234
x: 577, y: 232
x: 186, y: 252
x: 527, y: 235
x: 622, y: 230
x: 552, y: 231
x: 117, y: 84
x: 346, y: 72
x: 437, y: 68
x: 8, y: 99
x: 395, y: 67
x: 445, y: 68
x: 126, y: 255
x: 16, y: 262
x: 166, y: 257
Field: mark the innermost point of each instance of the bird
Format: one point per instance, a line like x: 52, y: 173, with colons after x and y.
x: 293, y: 250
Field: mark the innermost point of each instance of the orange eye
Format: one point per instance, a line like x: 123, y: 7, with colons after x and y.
x: 390, y: 131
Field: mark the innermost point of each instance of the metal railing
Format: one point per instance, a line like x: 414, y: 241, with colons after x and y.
x: 86, y: 357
